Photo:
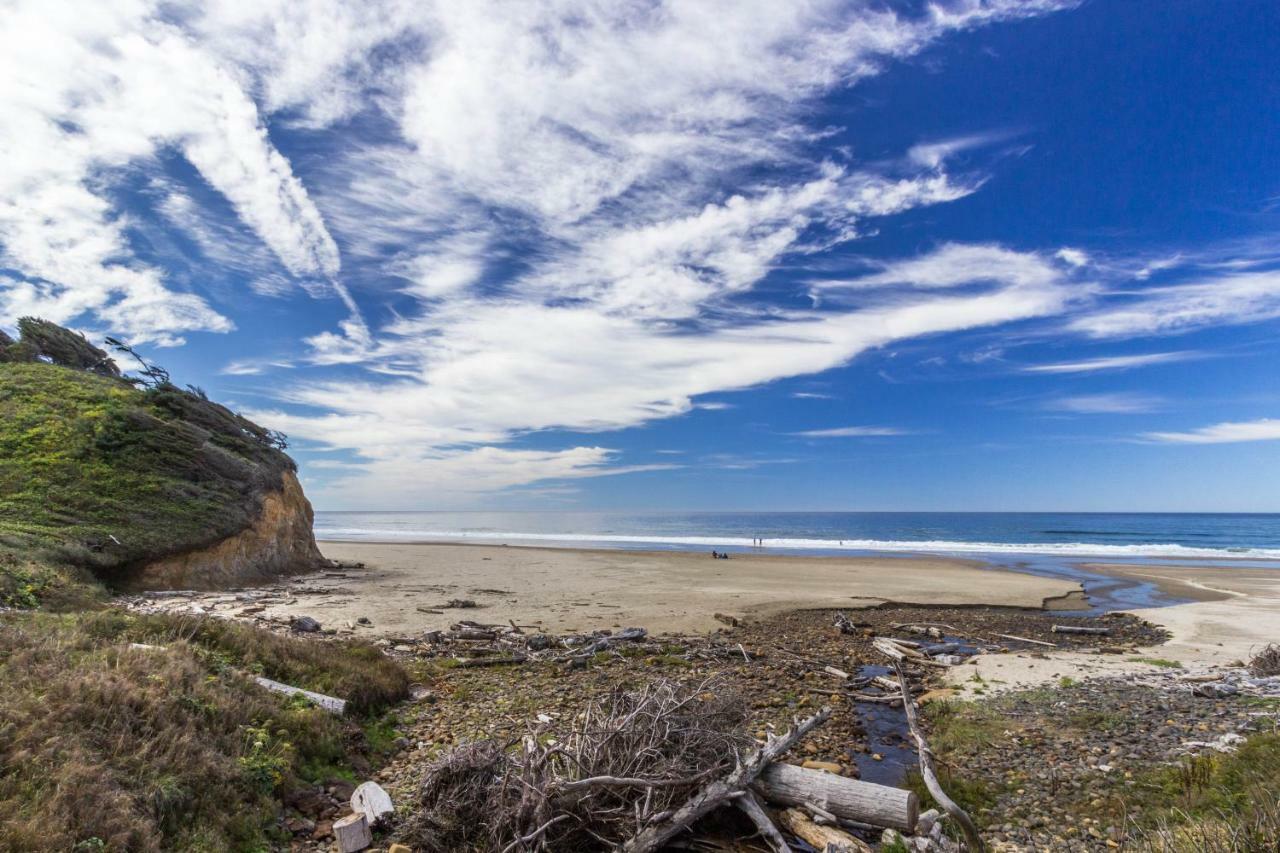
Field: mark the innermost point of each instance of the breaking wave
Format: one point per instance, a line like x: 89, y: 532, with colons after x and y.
x: 1060, y: 549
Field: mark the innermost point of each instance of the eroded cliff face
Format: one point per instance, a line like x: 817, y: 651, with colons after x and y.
x: 278, y: 542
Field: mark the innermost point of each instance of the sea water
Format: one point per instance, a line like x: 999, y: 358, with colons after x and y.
x: 1119, y: 536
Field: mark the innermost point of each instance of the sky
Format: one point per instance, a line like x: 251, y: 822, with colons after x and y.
x: 960, y: 255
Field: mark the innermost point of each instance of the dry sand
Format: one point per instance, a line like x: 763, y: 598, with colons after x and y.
x: 567, y: 590
x: 1235, y: 611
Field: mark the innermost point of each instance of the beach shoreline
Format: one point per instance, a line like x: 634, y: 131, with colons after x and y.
x: 566, y: 589
x: 1230, y: 614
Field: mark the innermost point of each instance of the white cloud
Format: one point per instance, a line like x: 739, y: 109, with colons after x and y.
x: 1265, y: 429
x: 632, y: 177
x: 1074, y: 257
x: 812, y: 395
x: 1115, y: 403
x: 931, y: 155
x: 956, y: 264
x: 852, y: 432
x: 458, y: 478
x: 1222, y: 300
x: 89, y: 91
x: 1112, y: 362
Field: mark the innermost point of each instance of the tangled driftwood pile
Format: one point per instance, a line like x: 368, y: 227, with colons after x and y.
x: 637, y: 769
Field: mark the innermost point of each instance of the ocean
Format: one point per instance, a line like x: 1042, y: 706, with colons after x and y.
x: 1119, y: 536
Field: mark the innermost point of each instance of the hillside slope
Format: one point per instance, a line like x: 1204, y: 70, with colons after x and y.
x: 157, y: 487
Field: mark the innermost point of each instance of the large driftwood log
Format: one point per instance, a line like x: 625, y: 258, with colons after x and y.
x: 930, y: 777
x: 1080, y: 629
x: 824, y: 838
x: 654, y: 836
x: 850, y: 799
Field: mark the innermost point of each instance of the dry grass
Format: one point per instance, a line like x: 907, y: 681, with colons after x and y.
x: 106, y: 746
x: 1256, y: 830
x: 547, y: 792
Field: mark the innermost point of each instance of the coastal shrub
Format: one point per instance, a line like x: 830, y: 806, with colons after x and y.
x: 63, y: 347
x: 104, y: 745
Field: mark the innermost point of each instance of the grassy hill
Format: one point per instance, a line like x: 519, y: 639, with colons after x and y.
x: 107, y: 746
x: 97, y: 475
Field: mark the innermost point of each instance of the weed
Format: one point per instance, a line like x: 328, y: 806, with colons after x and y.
x: 1161, y: 662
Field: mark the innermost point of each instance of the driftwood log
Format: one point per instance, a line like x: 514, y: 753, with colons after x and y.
x: 330, y: 703
x: 930, y: 776
x: 849, y: 799
x: 1080, y: 629
x: 825, y: 838
x: 1027, y: 640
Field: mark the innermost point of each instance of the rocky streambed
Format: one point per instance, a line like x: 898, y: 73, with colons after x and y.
x: 1056, y: 768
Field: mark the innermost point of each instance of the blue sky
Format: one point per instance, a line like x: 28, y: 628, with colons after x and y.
x: 980, y: 254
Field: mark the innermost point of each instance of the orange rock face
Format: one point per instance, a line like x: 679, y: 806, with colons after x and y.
x: 279, y: 542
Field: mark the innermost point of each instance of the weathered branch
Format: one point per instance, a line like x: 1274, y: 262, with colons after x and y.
x: 1027, y: 640
x: 753, y: 809
x: 930, y: 776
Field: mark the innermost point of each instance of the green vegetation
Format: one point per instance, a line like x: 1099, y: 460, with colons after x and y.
x: 146, y: 733
x: 958, y: 731
x: 1161, y: 662
x: 97, y: 474
x: 1211, y: 802
x: 104, y: 745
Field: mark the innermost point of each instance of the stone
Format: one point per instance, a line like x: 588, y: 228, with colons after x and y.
x: 825, y: 766
x: 399, y: 848
x: 305, y: 625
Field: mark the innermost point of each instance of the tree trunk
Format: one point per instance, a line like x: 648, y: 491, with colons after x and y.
x: 849, y: 799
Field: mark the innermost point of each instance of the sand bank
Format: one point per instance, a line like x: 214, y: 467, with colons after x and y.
x: 1234, y: 612
x: 578, y: 590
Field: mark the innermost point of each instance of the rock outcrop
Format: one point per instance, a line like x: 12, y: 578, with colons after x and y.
x: 278, y: 542
x: 136, y: 482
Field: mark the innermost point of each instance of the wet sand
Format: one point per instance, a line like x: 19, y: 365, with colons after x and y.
x: 1234, y: 612
x: 566, y: 590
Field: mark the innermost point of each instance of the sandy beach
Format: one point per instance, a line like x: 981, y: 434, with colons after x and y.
x: 567, y: 590
x: 1234, y: 612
